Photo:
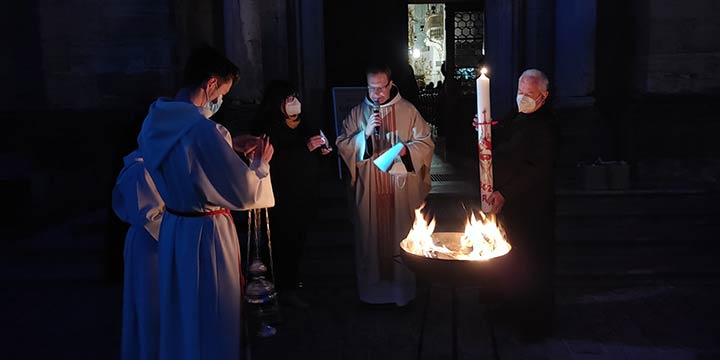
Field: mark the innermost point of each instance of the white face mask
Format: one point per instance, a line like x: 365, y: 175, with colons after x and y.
x: 210, y: 107
x: 293, y: 108
x: 525, y: 104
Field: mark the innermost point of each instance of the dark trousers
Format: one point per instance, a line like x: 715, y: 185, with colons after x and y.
x: 525, y: 282
x: 288, y: 236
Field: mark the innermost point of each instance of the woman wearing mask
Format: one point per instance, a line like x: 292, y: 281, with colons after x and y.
x: 294, y: 171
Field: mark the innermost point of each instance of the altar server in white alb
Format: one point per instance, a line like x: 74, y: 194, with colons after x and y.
x: 136, y: 201
x: 200, y: 175
x: 385, y: 201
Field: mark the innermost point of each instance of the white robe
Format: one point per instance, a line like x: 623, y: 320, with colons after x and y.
x: 196, y: 170
x: 136, y: 201
x: 385, y: 202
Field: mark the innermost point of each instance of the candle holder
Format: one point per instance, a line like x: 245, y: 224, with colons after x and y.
x: 260, y: 293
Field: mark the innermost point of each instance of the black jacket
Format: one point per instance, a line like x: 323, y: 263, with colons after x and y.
x: 524, y: 152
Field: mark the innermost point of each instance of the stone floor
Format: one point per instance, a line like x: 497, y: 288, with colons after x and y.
x: 641, y: 289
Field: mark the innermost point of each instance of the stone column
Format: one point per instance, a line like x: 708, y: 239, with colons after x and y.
x: 575, y: 52
x: 501, y: 37
x: 274, y: 25
x: 243, y: 46
x: 309, y: 64
x: 539, y: 36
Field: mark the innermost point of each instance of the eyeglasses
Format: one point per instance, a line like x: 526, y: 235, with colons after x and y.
x: 375, y: 89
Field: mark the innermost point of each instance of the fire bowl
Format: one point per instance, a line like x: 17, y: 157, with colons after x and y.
x: 452, y: 272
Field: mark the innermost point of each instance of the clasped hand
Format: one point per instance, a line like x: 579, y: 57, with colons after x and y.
x: 254, y: 147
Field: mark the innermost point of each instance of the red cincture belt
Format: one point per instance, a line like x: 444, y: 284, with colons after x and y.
x: 198, y: 214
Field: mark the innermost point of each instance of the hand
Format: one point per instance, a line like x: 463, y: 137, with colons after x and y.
x: 496, y: 200
x: 327, y: 148
x: 245, y: 143
x: 264, y: 151
x: 267, y: 149
x: 476, y: 123
x: 373, y: 122
x: 315, y: 142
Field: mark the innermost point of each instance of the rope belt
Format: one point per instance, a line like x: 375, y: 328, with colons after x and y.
x: 198, y: 214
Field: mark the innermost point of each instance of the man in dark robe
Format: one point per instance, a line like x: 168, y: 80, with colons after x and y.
x: 524, y: 199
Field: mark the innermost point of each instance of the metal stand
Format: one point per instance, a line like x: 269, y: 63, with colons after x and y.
x: 422, y: 323
x: 453, y: 326
x: 260, y: 292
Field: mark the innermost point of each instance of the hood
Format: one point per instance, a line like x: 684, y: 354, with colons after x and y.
x: 132, y: 157
x: 167, y: 121
x: 391, y: 101
x: 129, y: 160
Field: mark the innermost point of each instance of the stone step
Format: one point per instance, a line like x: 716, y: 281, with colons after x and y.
x: 682, y: 228
x: 623, y: 203
x: 633, y: 264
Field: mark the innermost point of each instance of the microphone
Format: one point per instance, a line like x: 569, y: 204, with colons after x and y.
x: 376, y: 109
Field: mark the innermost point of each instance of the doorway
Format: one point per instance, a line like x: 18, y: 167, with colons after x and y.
x: 446, y: 48
x: 426, y: 43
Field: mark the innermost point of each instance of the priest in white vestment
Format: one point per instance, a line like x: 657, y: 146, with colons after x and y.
x: 201, y: 178
x: 385, y: 201
x: 136, y: 201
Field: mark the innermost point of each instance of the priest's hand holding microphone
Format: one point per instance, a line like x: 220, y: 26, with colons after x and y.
x: 373, y: 126
x: 376, y: 110
x: 374, y: 121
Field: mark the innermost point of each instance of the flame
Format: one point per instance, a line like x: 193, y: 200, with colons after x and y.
x: 419, y: 239
x: 482, y: 240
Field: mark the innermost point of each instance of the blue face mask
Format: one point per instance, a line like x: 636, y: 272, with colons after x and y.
x: 210, y: 107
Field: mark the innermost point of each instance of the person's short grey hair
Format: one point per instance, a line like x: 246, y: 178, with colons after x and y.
x: 537, y: 75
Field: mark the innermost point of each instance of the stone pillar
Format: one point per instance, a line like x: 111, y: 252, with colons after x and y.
x: 274, y: 25
x: 309, y: 64
x: 575, y: 52
x: 539, y: 36
x: 243, y: 46
x: 501, y: 53
x: 194, y: 26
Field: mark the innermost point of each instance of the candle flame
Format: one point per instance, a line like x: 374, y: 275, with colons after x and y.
x: 484, y: 71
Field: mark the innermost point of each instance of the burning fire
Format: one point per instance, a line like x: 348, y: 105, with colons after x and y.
x: 482, y: 240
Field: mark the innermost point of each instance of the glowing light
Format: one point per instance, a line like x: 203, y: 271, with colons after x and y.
x: 482, y: 240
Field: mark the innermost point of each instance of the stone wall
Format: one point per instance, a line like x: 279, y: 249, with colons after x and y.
x: 657, y: 78
x: 105, y: 53
x: 683, y: 52
x: 84, y: 74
